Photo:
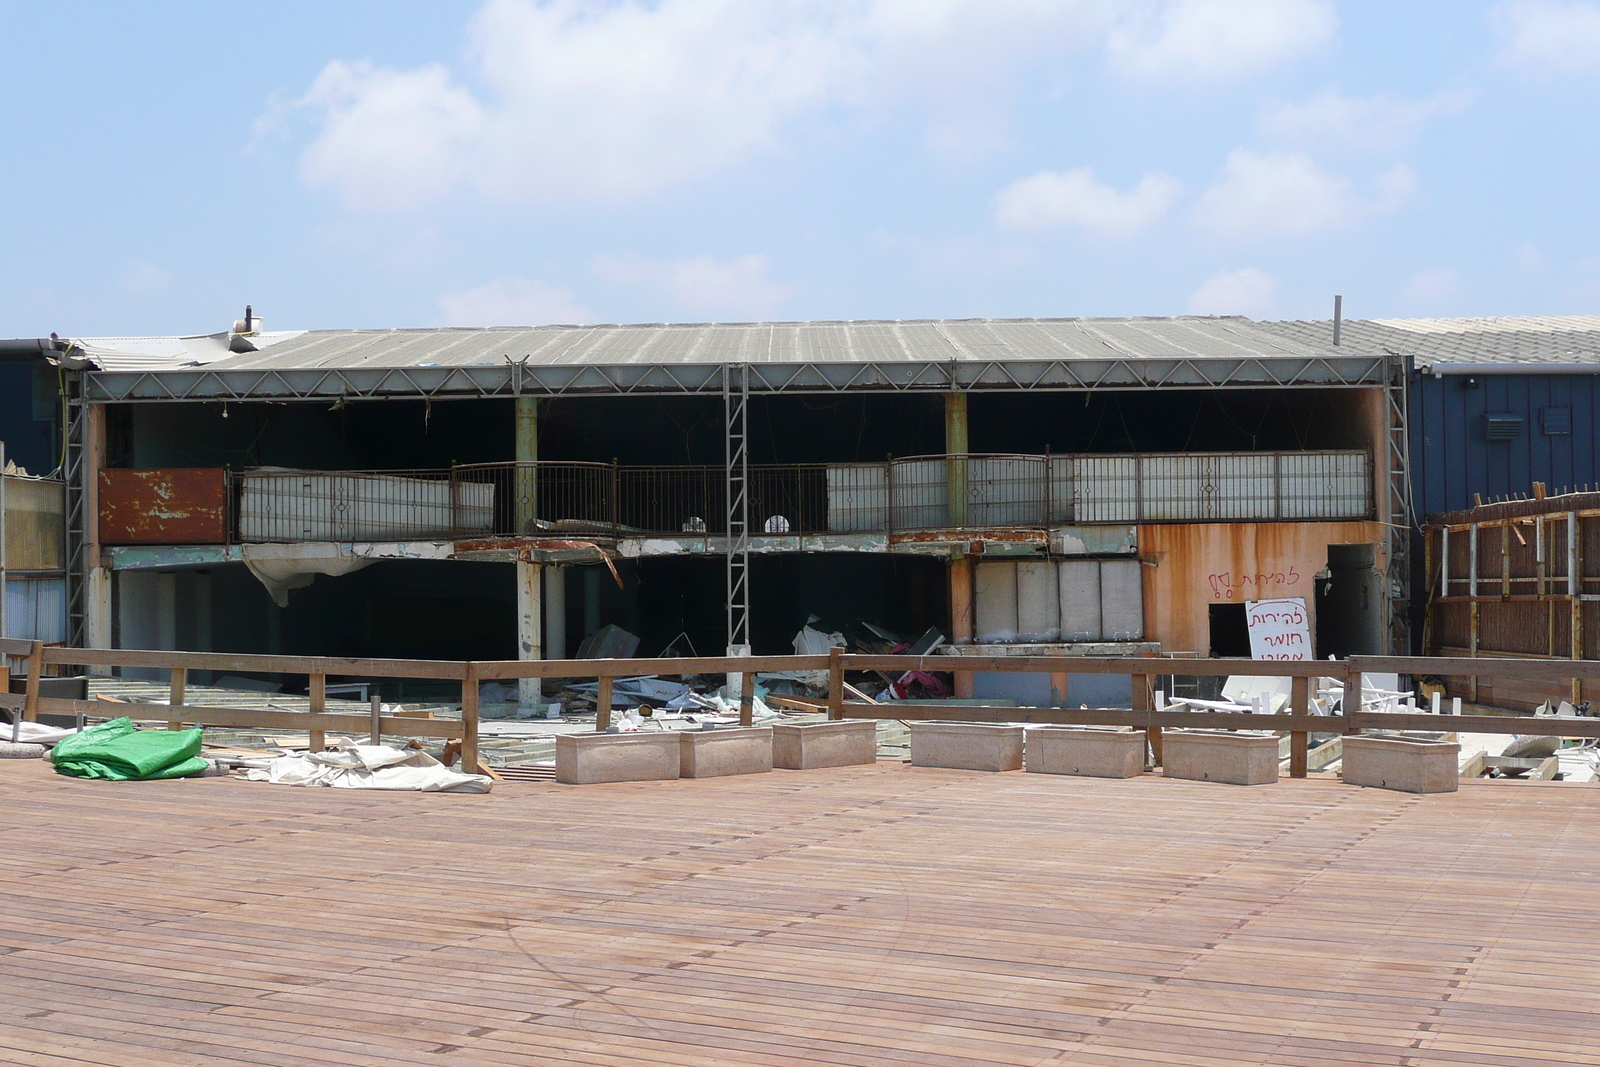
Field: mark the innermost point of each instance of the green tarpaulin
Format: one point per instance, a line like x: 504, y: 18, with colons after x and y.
x: 118, y: 752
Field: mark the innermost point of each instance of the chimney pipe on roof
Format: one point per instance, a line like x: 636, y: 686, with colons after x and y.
x: 1338, y: 318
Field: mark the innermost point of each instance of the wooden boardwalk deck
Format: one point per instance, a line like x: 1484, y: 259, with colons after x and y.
x: 866, y: 916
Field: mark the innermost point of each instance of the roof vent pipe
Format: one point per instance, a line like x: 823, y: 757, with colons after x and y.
x: 1338, y: 318
x: 250, y: 324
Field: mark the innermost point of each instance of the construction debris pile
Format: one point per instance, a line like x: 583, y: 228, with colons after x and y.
x: 698, y: 699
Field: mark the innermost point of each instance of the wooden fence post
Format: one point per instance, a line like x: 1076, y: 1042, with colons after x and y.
x: 602, y: 705
x: 1350, y: 705
x: 1141, y: 702
x: 30, y: 703
x: 1299, y: 740
x: 469, y: 721
x: 319, y: 704
x: 835, y: 683
x: 377, y: 719
x: 175, y: 698
x: 747, y: 699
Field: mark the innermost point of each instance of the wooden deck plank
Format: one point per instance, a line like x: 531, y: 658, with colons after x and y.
x: 877, y: 915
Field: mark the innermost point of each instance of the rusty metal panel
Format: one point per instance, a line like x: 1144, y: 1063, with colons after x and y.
x: 176, y: 506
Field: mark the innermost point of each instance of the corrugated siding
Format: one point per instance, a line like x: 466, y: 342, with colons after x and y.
x: 36, y: 609
x: 1451, y: 459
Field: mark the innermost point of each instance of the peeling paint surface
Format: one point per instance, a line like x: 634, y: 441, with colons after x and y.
x: 173, y: 506
x: 636, y: 548
x: 1095, y: 540
x: 137, y: 558
x: 1198, y: 565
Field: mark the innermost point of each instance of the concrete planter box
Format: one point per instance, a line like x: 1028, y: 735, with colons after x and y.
x: 967, y: 746
x: 1236, y: 759
x: 590, y: 759
x: 734, y: 750
x: 1090, y: 753
x: 1402, y: 764
x: 849, y: 743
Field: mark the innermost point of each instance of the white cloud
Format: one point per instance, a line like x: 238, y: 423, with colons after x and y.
x: 143, y: 278
x: 391, y: 139
x: 607, y: 102
x: 1432, y: 286
x: 703, y: 285
x: 1217, y: 39
x: 1561, y: 35
x: 1529, y: 257
x: 1288, y: 194
x: 1074, y: 198
x: 513, y: 302
x: 1362, y: 122
x: 1235, y: 292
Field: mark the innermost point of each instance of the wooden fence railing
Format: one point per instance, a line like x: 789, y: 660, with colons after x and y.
x: 1298, y: 721
x: 317, y: 723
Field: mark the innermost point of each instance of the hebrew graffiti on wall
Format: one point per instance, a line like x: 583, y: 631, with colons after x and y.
x: 1231, y: 585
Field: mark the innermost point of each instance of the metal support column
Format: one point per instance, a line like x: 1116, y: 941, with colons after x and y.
x: 1400, y: 511
x: 76, y: 527
x: 736, y: 454
x: 3, y: 578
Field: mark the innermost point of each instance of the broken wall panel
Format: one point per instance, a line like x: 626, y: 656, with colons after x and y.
x: 280, y: 505
x: 1078, y: 581
x: 995, y: 603
x: 1038, y: 602
x: 1091, y: 600
x: 171, y: 506
x: 1121, y: 600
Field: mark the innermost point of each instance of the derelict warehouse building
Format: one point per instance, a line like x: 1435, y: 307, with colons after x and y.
x: 1108, y: 486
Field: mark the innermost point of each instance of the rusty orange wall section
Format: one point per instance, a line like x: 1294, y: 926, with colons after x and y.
x: 1198, y: 565
x: 176, y: 506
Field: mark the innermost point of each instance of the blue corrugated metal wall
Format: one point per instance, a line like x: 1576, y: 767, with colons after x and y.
x: 1451, y: 458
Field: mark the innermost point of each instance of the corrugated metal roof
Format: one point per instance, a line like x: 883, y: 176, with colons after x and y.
x: 861, y: 342
x: 1531, y: 339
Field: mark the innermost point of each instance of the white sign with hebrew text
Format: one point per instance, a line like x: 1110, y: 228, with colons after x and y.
x: 1279, y: 629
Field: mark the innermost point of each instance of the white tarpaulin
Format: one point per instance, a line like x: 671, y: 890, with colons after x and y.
x: 353, y: 766
x: 284, y: 567
x: 33, y: 733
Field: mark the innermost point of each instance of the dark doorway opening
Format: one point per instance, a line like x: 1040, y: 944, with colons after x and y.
x: 1230, y: 634
x: 1349, y: 604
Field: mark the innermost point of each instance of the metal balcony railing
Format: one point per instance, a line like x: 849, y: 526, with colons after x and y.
x: 561, y: 499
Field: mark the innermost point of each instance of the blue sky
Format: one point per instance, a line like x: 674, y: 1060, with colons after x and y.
x: 511, y: 161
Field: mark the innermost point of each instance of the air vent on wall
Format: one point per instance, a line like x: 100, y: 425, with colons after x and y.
x: 1502, y: 427
x: 1557, y: 422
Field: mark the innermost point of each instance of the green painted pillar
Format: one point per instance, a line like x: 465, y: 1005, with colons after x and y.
x: 526, y: 483
x: 955, y: 447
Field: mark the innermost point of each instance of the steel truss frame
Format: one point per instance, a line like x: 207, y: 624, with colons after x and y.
x: 1402, y: 514
x: 77, y: 562
x: 736, y: 452
x: 515, y: 378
